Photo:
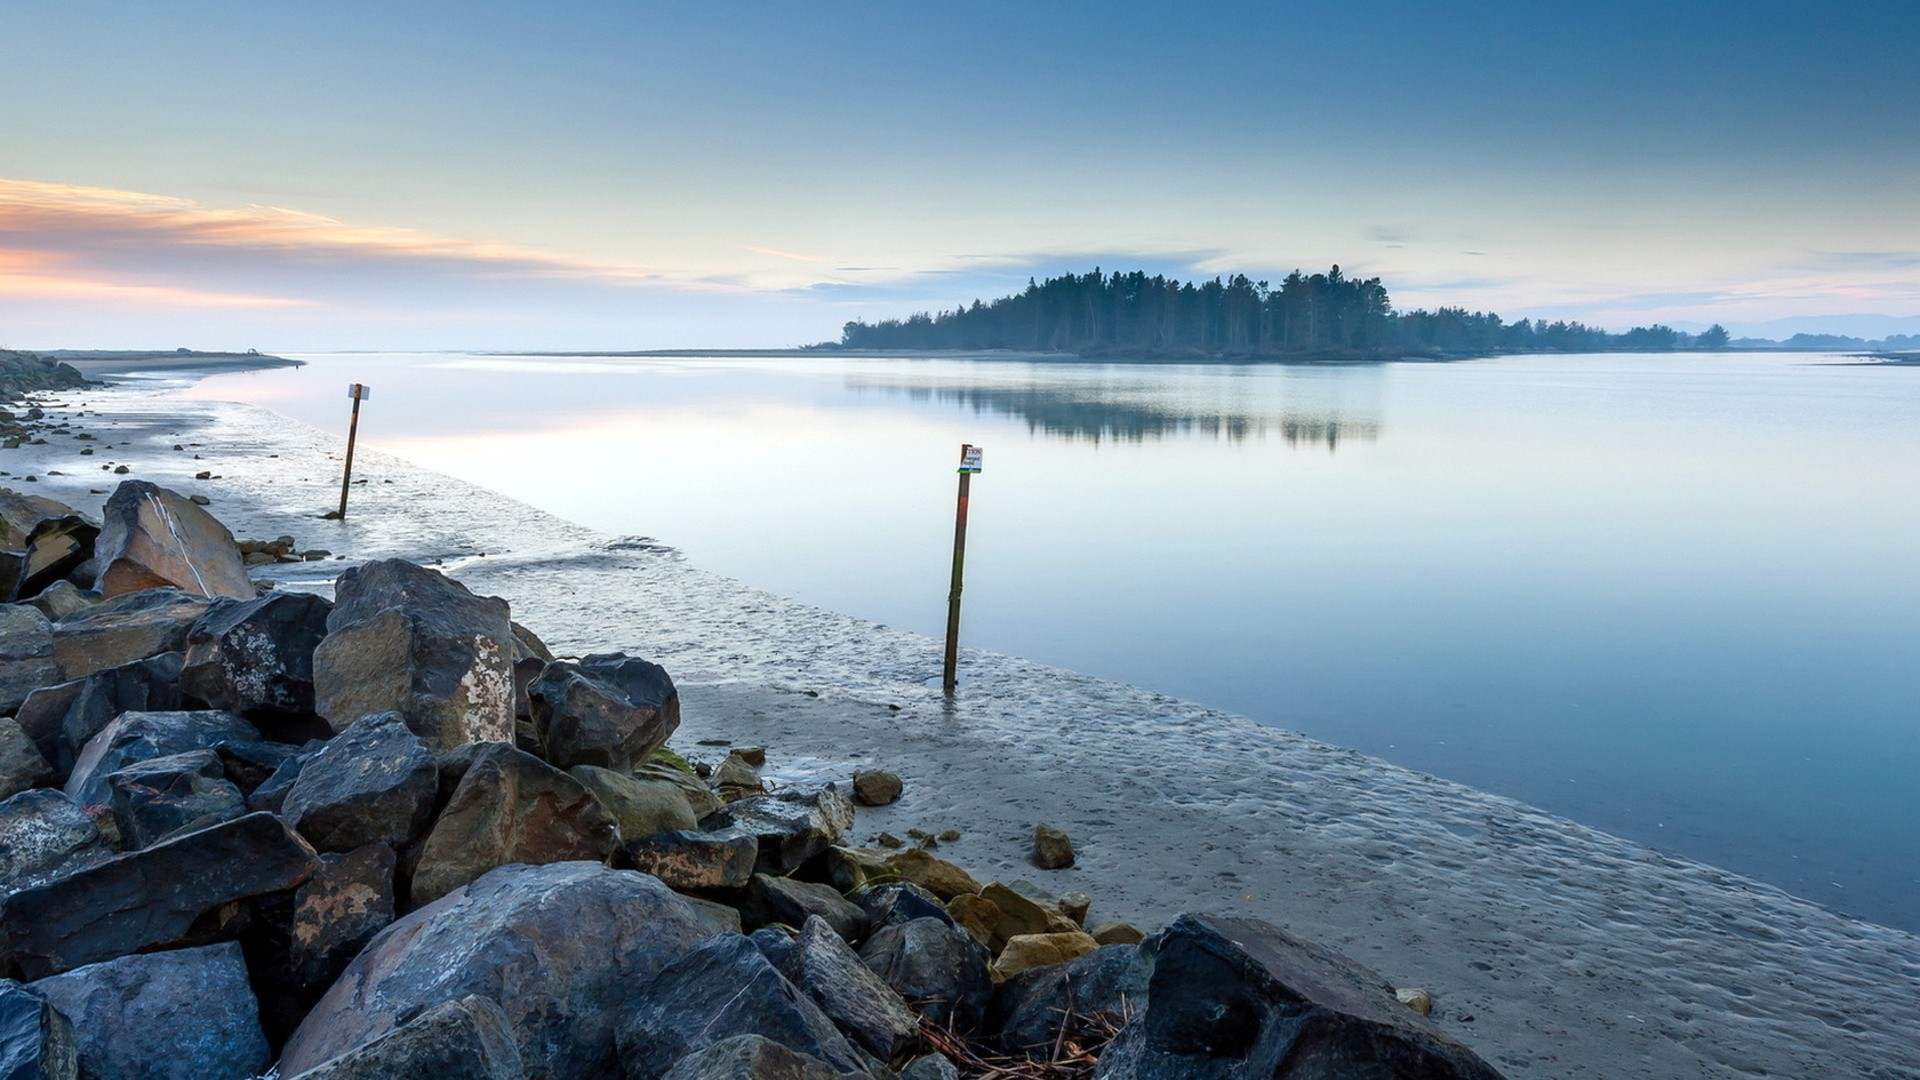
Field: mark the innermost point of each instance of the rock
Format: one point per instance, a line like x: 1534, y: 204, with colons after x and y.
x: 409, y: 640
x: 1027, y: 951
x: 152, y: 537
x: 715, y: 917
x: 593, y: 935
x: 977, y: 916
x: 935, y: 967
x: 737, y: 779
x: 126, y: 629
x: 1005, y: 914
x: 21, y: 514
x: 468, y: 1039
x: 36, y: 1042
x: 1231, y: 997
x: 56, y: 548
x: 853, y: 997
x: 1075, y: 905
x: 140, y: 736
x: 792, y: 825
x: 273, y: 791
x: 875, y: 787
x: 374, y: 783
x: 722, y: 988
x: 888, y: 840
x: 255, y: 657
x: 43, y: 834
x: 509, y: 807
x: 930, y: 1067
x: 60, y: 719
x: 642, y: 807
x: 749, y: 1057
x: 853, y: 869
x: 898, y: 902
x: 788, y: 902
x: 26, y: 654
x: 699, y: 796
x: 153, y: 897
x: 1051, y: 848
x: 939, y: 877
x: 1416, y: 999
x: 61, y: 599
x: 607, y: 709
x: 695, y: 860
x: 22, y: 766
x: 1118, y: 933
x: 182, y: 1015
x: 1028, y: 1008
x: 779, y: 945
x: 250, y: 764
x: 163, y: 797
x: 337, y: 911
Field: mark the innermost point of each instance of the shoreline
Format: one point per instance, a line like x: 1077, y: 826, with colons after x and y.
x: 1573, y: 952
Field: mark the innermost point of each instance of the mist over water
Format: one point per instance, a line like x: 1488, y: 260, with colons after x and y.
x: 1669, y: 596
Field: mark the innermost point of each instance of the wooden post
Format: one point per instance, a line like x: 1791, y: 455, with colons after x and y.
x: 358, y: 392
x: 969, y: 464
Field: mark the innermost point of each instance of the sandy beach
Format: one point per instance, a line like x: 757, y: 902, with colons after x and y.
x: 1553, y: 949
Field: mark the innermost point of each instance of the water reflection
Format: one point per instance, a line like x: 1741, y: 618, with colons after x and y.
x: 1303, y: 410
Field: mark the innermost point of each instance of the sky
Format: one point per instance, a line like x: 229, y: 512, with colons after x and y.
x: 628, y: 175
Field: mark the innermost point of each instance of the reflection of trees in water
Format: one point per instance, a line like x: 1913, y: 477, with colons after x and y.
x: 1100, y: 413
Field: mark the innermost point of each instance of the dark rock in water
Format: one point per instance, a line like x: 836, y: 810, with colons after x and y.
x: 936, y: 967
x: 22, y: 765
x: 592, y: 935
x: 509, y: 807
x: 154, y: 897
x: 255, y: 657
x: 44, y: 834
x: 373, y: 783
x: 152, y: 537
x: 166, y: 796
x: 788, y: 902
x: 1028, y: 1008
x: 642, y: 807
x: 792, y: 825
x: 1052, y: 850
x: 851, y: 995
x: 36, y: 1042
x: 60, y: 719
x: 722, y: 988
x: 899, y: 902
x: 695, y: 860
x: 876, y: 787
x: 337, y: 911
x: 750, y: 1057
x: 126, y: 629
x: 182, y: 1015
x: 26, y: 654
x: 609, y: 709
x: 1233, y: 998
x: 405, y: 639
x: 468, y: 1039
x: 140, y: 736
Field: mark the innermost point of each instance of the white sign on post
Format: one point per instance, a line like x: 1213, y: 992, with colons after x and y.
x: 359, y: 391
x: 970, y: 461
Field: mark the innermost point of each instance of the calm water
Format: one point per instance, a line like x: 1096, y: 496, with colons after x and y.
x: 1672, y: 597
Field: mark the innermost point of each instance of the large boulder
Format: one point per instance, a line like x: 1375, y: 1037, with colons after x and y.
x: 20, y: 514
x: 749, y: 1057
x: 52, y: 538
x: 60, y: 719
x: 509, y: 807
x: 162, y: 797
x: 784, y: 901
x: 126, y: 629
x: 152, y: 898
x: 44, y: 833
x: 373, y: 783
x: 22, y: 765
x: 720, y: 989
x: 1028, y: 1009
x: 608, y: 709
x: 642, y: 807
x: 1233, y: 998
x: 26, y: 654
x: 152, y: 538
x: 187, y: 1014
x: 36, y: 1042
x: 935, y: 966
x: 256, y: 656
x: 468, y: 1039
x: 562, y: 948
x: 410, y: 640
x: 141, y: 736
x: 337, y: 911
x: 695, y: 860
x: 851, y: 995
x: 792, y: 825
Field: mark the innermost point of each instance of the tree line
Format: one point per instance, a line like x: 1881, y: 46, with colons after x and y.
x: 1329, y: 315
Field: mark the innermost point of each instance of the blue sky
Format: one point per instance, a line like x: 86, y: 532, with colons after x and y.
x: 624, y: 175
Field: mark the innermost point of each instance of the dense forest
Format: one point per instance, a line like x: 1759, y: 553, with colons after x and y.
x: 1309, y: 315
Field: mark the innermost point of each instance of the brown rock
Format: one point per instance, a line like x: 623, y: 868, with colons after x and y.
x: 1118, y: 933
x: 1028, y: 951
x: 153, y: 538
x: 1051, y: 848
x: 510, y: 807
x: 939, y: 877
x: 125, y: 630
x: 348, y: 900
x: 642, y: 807
x: 875, y: 787
x: 695, y: 860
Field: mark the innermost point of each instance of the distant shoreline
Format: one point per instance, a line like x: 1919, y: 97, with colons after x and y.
x: 92, y: 362
x: 1130, y: 356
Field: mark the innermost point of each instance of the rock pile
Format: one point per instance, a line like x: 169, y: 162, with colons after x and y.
x: 392, y: 835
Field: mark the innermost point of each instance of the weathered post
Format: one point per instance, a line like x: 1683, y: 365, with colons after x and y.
x: 359, y: 392
x: 969, y: 464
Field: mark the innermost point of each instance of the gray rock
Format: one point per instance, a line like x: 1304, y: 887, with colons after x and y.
x: 1052, y: 850
x: 55, y: 548
x: 1028, y: 1008
x: 126, y: 629
x: 44, y: 833
x: 162, y: 797
x: 788, y: 902
x: 608, y: 709
x: 337, y: 911
x: 468, y: 1039
x: 698, y: 795
x: 792, y: 825
x: 26, y: 654
x: 642, y: 807
x: 509, y: 807
x: 718, y: 918
x: 722, y: 988
x: 36, y: 1042
x: 930, y: 1067
x: 562, y: 948
x: 182, y: 1015
x: 936, y: 967
x: 781, y: 947
x: 374, y: 783
x: 22, y: 766
x: 140, y: 736
x: 851, y: 995
x: 410, y: 640
x: 255, y: 657
x: 749, y: 1057
x: 686, y: 859
x: 152, y: 898
x: 898, y: 902
x: 875, y: 787
x: 61, y: 718
x: 1232, y: 998
x: 152, y: 538
x: 61, y: 599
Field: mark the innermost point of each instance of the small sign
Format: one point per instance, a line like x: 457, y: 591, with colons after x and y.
x: 359, y: 391
x: 970, y: 460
